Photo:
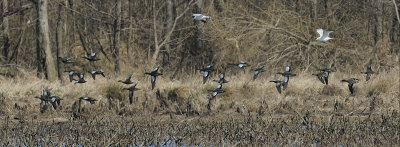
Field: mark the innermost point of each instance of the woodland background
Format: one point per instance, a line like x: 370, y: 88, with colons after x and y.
x: 131, y: 35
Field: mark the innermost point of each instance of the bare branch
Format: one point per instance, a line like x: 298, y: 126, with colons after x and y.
x: 157, y: 45
x: 397, y: 11
x: 176, y: 20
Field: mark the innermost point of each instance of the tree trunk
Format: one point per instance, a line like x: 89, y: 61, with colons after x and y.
x: 170, y: 22
x: 116, y: 33
x: 156, y: 47
x: 378, y: 21
x: 59, y: 42
x: 130, y: 32
x: 39, y: 57
x: 199, y: 44
x: 314, y: 10
x: 51, y: 71
x: 6, y: 46
x: 66, y: 32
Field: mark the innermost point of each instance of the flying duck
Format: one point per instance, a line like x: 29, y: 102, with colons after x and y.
x: 81, y: 78
x: 127, y: 80
x: 71, y: 74
x: 92, y: 57
x: 96, y: 72
x: 66, y: 60
x: 200, y: 17
x: 45, y: 96
x: 131, y: 90
x: 89, y: 99
x: 241, y: 64
x: 221, y: 79
x: 351, y: 82
x: 286, y: 75
x: 153, y: 75
x: 278, y: 85
x: 326, y: 72
x: 369, y: 72
x: 258, y: 71
x: 206, y: 72
x: 55, y: 100
x: 216, y: 91
x: 323, y: 35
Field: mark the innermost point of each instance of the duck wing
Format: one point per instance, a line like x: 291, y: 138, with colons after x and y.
x: 368, y: 76
x: 326, y: 80
x: 278, y: 87
x: 130, y: 96
x: 351, y: 88
x: 320, y: 78
x: 256, y: 74
x: 206, y: 74
x: 54, y: 105
x: 153, y: 82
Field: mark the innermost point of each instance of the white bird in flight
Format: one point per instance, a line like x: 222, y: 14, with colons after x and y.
x: 323, y: 35
x: 200, y: 17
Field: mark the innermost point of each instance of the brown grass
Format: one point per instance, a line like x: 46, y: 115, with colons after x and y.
x: 306, y: 101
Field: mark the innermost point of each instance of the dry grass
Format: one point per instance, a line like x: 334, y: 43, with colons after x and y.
x: 306, y: 101
x: 304, y: 90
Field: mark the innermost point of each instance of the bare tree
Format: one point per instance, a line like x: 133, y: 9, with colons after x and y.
x: 59, y: 41
x: 6, y: 45
x: 116, y: 36
x: 396, y: 11
x: 51, y: 71
x: 158, y: 44
x: 265, y: 32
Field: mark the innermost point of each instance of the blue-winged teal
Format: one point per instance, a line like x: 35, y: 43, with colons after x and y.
x: 326, y: 72
x: 55, y: 100
x: 286, y: 76
x: 45, y: 96
x: 92, y: 57
x: 43, y: 100
x: 320, y: 77
x: 89, y: 99
x: 81, y: 78
x: 206, y: 72
x: 241, y: 64
x: 200, y: 17
x: 127, y: 80
x: 153, y: 75
x: 351, y: 82
x: 96, y: 72
x: 257, y: 71
x: 216, y: 91
x: 66, y: 60
x: 369, y: 72
x: 71, y: 74
x: 131, y: 90
x: 221, y: 79
x: 278, y: 85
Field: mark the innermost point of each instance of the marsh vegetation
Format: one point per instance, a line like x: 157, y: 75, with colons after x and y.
x: 132, y: 37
